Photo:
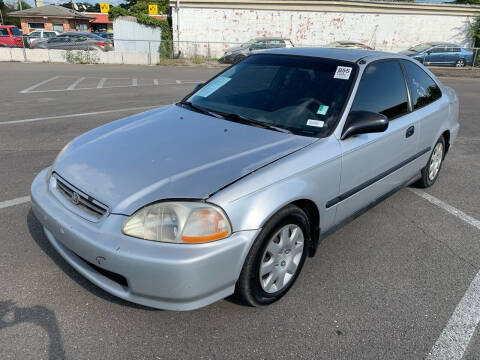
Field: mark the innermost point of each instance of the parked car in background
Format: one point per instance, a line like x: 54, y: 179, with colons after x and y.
x: 236, y: 54
x: 106, y: 35
x: 10, y: 36
x: 348, y: 45
x: 440, y: 54
x: 76, y: 41
x: 40, y: 35
x: 230, y: 189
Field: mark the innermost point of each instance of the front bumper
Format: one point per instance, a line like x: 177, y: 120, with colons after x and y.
x: 160, y: 275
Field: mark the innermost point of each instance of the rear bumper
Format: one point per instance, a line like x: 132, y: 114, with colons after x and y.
x: 160, y: 275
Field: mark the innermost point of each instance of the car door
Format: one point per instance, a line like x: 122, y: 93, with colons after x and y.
x: 375, y: 164
x: 453, y: 55
x: 430, y: 112
x: 437, y: 56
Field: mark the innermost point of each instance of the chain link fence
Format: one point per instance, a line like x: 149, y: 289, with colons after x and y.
x: 149, y: 52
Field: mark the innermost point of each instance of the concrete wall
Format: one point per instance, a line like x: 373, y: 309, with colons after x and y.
x: 385, y: 28
x: 129, y: 35
x: 60, y: 56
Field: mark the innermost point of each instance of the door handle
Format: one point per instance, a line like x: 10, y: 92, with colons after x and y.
x: 410, y: 131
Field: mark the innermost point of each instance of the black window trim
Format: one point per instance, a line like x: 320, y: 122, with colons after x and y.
x: 408, y: 87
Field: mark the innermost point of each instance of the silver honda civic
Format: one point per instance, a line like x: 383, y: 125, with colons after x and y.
x: 230, y: 189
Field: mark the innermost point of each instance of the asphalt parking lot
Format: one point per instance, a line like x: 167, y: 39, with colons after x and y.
x: 393, y: 284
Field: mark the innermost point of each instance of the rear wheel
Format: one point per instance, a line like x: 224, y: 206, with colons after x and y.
x: 275, y: 259
x: 460, y: 63
x: 431, y: 171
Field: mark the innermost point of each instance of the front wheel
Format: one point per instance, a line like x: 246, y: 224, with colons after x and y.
x: 431, y: 171
x: 275, y: 259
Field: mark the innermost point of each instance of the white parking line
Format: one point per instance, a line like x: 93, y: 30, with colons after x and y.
x: 454, y: 211
x: 101, y: 82
x: 78, y: 115
x: 134, y: 82
x: 13, y: 202
x: 38, y: 84
x: 455, y: 337
x: 75, y: 83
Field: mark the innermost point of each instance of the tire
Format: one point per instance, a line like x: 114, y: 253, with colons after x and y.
x: 254, y: 289
x: 460, y: 63
x: 427, y: 180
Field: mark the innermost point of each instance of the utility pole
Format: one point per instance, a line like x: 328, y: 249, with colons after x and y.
x: 1, y: 17
x: 20, y: 5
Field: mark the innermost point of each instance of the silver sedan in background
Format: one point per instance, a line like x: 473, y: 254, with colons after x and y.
x: 229, y: 190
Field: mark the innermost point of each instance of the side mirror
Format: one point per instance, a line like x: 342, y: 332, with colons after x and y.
x: 428, y: 52
x: 197, y: 86
x: 364, y: 122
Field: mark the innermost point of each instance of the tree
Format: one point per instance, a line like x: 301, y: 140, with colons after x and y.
x: 475, y: 31
x: 472, y: 2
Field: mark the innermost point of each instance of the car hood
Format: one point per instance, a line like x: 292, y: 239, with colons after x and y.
x: 168, y: 153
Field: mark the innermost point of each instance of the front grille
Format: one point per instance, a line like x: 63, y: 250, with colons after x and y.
x: 82, y: 201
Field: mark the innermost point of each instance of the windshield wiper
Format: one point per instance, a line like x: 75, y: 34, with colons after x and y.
x: 200, y: 109
x: 245, y: 120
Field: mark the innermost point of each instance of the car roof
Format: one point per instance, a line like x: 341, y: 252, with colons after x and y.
x: 270, y: 38
x: 351, y: 55
x: 7, y: 26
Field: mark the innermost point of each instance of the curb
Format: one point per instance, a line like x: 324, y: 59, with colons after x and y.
x: 467, y: 72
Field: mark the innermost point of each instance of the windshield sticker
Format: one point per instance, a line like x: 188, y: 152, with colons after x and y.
x: 316, y: 123
x: 343, y: 72
x: 212, y: 86
x: 322, y: 110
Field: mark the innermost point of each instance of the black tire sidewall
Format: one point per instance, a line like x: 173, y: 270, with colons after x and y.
x: 249, y: 279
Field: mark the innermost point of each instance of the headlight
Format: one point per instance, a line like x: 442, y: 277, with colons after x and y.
x: 178, y: 222
x: 228, y: 53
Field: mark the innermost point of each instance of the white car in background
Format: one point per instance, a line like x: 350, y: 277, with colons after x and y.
x: 37, y: 36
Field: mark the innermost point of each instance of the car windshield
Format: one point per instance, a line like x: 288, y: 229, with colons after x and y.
x: 302, y: 95
x: 94, y: 36
x: 420, y: 47
x: 248, y: 43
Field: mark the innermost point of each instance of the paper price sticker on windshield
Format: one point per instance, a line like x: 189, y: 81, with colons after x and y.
x: 316, y: 123
x: 343, y: 72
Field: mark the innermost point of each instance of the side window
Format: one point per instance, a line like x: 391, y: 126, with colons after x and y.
x: 3, y: 32
x: 35, y: 34
x: 382, y: 90
x: 437, y: 50
x: 422, y: 87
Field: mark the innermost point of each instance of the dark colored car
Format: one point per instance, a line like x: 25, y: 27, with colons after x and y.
x: 76, y: 41
x: 440, y: 54
x: 10, y: 36
x: 106, y: 35
x: 236, y: 54
x: 348, y: 45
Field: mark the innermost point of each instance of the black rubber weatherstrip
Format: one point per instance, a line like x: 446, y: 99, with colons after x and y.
x: 367, y: 183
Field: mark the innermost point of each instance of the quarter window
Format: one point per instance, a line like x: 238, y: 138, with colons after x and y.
x: 382, y: 90
x: 422, y: 87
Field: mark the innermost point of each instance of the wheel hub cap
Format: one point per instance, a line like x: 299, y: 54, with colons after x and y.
x: 281, y: 258
x: 435, y: 161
